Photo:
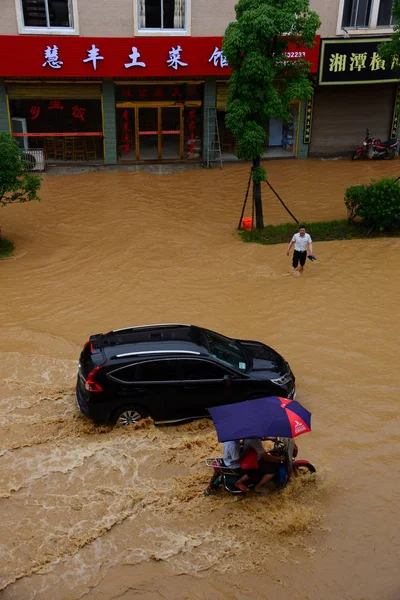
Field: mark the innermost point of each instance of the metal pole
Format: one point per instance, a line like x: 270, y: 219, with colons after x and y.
x: 245, y: 202
x: 281, y: 201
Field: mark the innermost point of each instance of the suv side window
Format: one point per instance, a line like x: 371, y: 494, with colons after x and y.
x: 126, y: 374
x: 158, y: 370
x: 201, y: 369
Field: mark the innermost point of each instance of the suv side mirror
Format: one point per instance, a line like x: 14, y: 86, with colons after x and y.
x: 227, y: 379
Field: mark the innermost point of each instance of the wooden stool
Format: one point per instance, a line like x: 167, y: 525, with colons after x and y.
x: 79, y: 149
x: 90, y: 147
x: 69, y: 149
x: 59, y: 148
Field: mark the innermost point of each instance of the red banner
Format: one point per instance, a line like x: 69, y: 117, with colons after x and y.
x: 59, y: 56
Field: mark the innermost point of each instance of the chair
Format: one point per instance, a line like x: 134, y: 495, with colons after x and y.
x: 49, y: 148
x: 90, y: 149
x: 79, y: 149
x: 59, y: 147
x: 69, y: 149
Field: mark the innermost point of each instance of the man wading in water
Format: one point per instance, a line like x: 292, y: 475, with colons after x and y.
x: 300, y: 241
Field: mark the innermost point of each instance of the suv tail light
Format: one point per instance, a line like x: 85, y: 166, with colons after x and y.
x: 88, y: 345
x: 90, y: 384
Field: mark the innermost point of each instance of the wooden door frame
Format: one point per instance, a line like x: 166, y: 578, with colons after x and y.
x: 159, y: 106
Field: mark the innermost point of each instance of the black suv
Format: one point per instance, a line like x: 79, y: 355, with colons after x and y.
x: 173, y: 372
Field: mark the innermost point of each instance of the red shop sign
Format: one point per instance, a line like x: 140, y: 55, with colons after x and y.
x: 59, y: 56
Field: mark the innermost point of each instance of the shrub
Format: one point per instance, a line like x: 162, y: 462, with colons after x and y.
x: 353, y: 200
x: 376, y: 204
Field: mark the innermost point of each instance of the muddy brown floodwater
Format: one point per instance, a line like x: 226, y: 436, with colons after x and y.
x: 87, y: 512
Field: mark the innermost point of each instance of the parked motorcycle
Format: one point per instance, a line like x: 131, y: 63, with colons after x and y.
x: 285, y: 447
x: 374, y: 148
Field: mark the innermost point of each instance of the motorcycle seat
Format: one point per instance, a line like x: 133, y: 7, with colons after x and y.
x: 388, y: 143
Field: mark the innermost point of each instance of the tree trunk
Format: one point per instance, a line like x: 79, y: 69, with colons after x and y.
x: 257, y: 198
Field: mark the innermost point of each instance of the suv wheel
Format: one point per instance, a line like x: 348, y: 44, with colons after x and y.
x: 128, y: 416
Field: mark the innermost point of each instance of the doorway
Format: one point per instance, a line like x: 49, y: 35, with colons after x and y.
x: 159, y: 132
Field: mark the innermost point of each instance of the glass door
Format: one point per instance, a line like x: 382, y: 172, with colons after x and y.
x: 172, y: 132
x: 148, y: 133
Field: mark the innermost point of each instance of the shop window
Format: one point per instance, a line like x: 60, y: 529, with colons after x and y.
x: 69, y: 130
x: 47, y: 14
x: 385, y: 17
x: 356, y: 13
x: 162, y: 14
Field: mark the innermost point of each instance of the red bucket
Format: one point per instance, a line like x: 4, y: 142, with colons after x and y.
x: 247, y: 223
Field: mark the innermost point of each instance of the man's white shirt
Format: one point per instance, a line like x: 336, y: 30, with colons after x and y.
x: 300, y: 242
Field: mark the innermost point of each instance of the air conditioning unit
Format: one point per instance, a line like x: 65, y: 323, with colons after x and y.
x: 35, y: 160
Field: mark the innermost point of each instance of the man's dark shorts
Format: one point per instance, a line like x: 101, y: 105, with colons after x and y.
x: 299, y: 256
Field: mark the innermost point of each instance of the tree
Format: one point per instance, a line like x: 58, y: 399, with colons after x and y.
x: 263, y: 81
x: 16, y: 183
x: 390, y: 51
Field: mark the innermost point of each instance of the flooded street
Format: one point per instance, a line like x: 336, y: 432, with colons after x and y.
x: 93, y: 513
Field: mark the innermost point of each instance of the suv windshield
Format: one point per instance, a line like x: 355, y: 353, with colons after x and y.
x: 226, y: 350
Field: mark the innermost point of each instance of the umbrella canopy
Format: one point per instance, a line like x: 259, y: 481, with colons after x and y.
x: 264, y: 417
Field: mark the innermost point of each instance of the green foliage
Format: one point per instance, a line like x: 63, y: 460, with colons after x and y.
x: 16, y: 183
x: 376, y: 204
x: 258, y: 174
x: 353, y: 199
x: 263, y: 81
x: 391, y: 50
x: 6, y: 248
x: 324, y: 231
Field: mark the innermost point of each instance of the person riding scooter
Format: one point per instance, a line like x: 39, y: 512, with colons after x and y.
x: 268, y: 465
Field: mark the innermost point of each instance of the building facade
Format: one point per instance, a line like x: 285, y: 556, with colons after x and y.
x: 145, y: 80
x: 355, y: 89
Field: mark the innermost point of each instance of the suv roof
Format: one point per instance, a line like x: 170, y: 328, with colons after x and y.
x: 150, y: 340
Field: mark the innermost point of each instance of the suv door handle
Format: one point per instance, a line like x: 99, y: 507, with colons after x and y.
x: 139, y: 389
x: 189, y: 387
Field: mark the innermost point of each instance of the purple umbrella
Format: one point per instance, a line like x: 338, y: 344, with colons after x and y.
x: 263, y: 417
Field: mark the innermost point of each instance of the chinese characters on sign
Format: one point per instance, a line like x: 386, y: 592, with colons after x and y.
x: 174, y: 58
x: 308, y: 121
x: 126, y: 137
x: 134, y: 59
x: 355, y: 61
x: 78, y: 113
x: 337, y: 62
x: 55, y: 105
x: 176, y: 93
x: 34, y: 111
x: 77, y: 57
x: 395, y: 120
x: 174, y: 61
x: 218, y: 56
x: 93, y: 56
x: 51, y: 58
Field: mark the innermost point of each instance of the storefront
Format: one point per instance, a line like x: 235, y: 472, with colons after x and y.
x: 64, y: 121
x: 125, y: 100
x: 283, y: 138
x: 107, y: 99
x: 356, y: 90
x: 159, y: 121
